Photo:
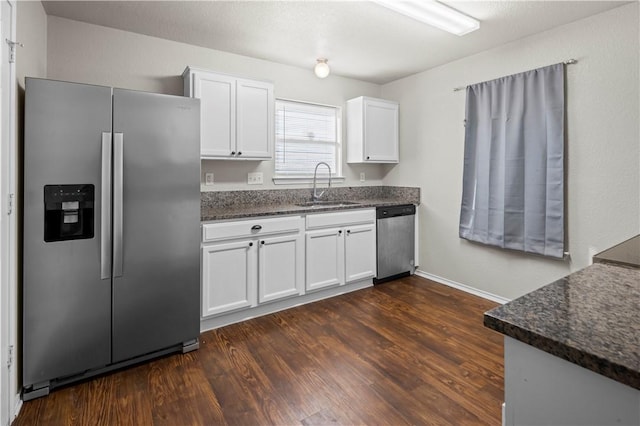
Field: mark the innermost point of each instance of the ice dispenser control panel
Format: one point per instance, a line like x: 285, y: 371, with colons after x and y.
x: 68, y: 212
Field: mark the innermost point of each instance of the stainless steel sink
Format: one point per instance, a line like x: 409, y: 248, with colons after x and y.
x: 327, y: 203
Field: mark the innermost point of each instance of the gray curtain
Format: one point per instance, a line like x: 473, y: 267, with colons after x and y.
x: 513, y: 182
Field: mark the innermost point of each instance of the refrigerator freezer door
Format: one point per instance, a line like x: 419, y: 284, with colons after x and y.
x: 156, y: 297
x: 66, y: 304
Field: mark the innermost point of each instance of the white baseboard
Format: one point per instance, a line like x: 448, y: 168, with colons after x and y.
x: 16, y: 408
x: 463, y: 287
x: 210, y: 323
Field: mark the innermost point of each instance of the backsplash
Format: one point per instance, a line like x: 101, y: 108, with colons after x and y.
x: 291, y: 196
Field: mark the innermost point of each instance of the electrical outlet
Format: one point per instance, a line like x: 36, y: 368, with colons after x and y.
x: 255, y: 178
x: 208, y: 179
x: 361, y: 176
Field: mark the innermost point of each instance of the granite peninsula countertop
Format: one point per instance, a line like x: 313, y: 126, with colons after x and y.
x: 590, y: 318
x: 626, y: 253
x: 226, y: 205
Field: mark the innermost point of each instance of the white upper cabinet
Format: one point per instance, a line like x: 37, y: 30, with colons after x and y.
x: 255, y: 112
x: 217, y: 94
x: 236, y: 115
x: 372, y: 130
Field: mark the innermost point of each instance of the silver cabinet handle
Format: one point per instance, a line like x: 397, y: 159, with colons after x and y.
x: 105, y: 208
x: 118, y: 181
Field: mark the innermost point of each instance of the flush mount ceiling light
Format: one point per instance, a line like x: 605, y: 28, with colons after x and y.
x: 321, y: 69
x: 433, y: 13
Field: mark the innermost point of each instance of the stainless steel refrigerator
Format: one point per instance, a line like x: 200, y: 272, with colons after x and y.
x: 111, y: 220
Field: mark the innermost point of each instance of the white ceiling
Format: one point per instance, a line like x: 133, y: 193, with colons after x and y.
x: 361, y: 39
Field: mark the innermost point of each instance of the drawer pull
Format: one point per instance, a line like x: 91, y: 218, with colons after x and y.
x: 256, y: 227
x: 250, y: 244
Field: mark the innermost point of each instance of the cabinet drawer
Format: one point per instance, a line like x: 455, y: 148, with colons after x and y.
x: 253, y: 227
x: 352, y: 217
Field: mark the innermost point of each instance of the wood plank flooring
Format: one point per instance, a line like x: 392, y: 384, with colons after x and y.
x: 409, y: 351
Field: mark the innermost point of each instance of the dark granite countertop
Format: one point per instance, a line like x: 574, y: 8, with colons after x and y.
x: 590, y: 318
x: 242, y: 204
x: 249, y: 210
x: 626, y: 253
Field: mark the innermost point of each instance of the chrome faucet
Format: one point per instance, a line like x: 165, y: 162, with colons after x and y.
x: 317, y: 196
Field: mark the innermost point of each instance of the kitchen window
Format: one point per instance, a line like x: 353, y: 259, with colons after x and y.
x: 306, y: 134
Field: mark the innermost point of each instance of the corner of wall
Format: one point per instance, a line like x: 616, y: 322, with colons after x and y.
x: 31, y: 31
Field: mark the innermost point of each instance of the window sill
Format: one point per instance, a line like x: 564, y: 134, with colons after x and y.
x: 294, y: 180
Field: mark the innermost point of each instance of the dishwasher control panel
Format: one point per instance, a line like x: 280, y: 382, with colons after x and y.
x: 405, y: 210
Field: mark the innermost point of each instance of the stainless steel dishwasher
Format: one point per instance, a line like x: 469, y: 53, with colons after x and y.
x: 395, y: 242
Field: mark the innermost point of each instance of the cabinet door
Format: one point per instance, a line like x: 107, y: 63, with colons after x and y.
x: 360, y: 252
x: 281, y: 267
x: 217, y: 94
x: 380, y: 131
x: 255, y: 117
x: 325, y: 258
x: 228, y: 276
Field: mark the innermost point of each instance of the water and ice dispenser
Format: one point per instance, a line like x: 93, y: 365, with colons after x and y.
x: 68, y: 212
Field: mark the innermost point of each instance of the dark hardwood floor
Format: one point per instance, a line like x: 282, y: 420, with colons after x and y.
x: 409, y: 351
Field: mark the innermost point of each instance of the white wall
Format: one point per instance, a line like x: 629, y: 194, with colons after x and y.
x: 603, y: 149
x: 602, y: 127
x: 31, y: 31
x: 99, y: 55
x: 31, y: 59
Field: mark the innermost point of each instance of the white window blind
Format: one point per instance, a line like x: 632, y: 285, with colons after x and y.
x: 305, y: 135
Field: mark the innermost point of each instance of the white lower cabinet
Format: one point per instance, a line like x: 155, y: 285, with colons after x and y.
x: 360, y: 252
x: 325, y: 258
x: 228, y: 276
x: 259, y: 265
x: 342, y: 250
x: 245, y: 263
x: 281, y: 267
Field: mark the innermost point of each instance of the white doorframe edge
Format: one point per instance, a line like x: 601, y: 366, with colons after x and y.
x: 8, y: 230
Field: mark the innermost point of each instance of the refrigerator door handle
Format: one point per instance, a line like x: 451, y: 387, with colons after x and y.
x: 105, y: 214
x: 118, y: 148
